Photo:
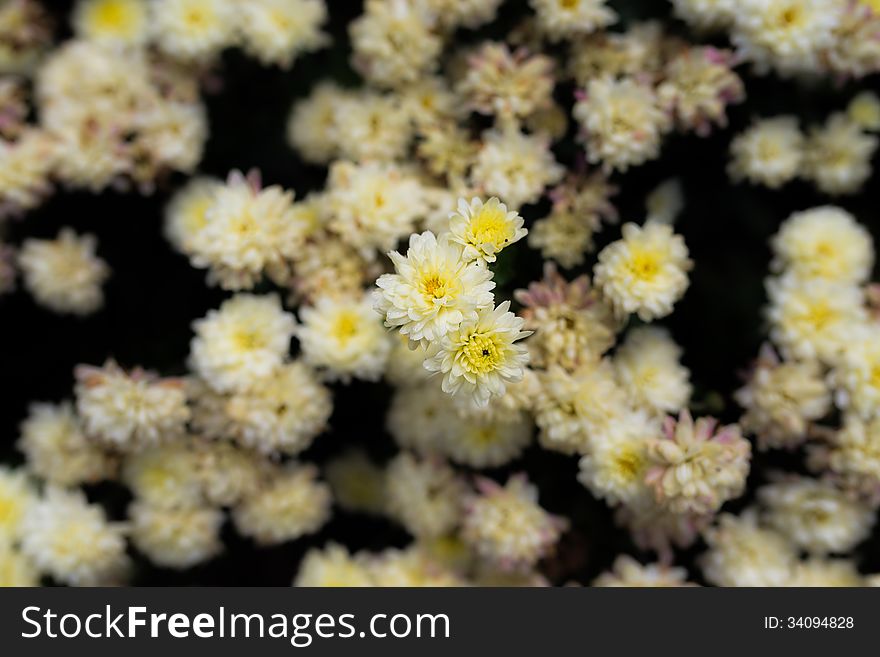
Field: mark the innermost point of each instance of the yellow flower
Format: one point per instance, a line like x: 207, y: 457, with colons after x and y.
x: 484, y: 229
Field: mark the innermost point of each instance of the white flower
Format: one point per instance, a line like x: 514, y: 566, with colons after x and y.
x: 514, y: 166
x: 646, y: 271
x: 277, y: 31
x: 283, y: 412
x: 567, y: 18
x: 623, y: 123
x: 826, y: 243
x: 433, y: 290
x: 344, y: 338
x: 481, y: 355
x: 648, y: 367
x: 129, y: 411
x: 71, y: 540
x: 857, y: 375
x: 769, y: 152
x: 193, y: 29
x: 290, y: 504
x: 815, y: 515
x: 58, y: 450
x: 484, y: 229
x: 838, y: 155
x: 176, y: 537
x: 243, y: 341
x: 64, y: 274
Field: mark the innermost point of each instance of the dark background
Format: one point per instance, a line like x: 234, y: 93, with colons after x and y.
x: 154, y: 295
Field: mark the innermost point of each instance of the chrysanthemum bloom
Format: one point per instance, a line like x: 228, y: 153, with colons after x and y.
x: 694, y: 468
x: 25, y: 166
x: 447, y: 150
x: 514, y: 166
x: 825, y: 242
x: 72, y: 540
x: 568, y: 410
x: 815, y: 516
x: 507, y: 527
x: 433, y: 290
x: 852, y: 457
x: 856, y: 49
x: 373, y: 205
x: 17, y: 496
x: 705, y: 14
x: 193, y: 30
x: 699, y: 85
x: 770, y: 152
x: 418, y: 418
x: 786, y: 35
x: 622, y: 121
x: 856, y: 375
x: 838, y: 156
x: 424, y: 495
x: 344, y: 338
x: 394, y: 42
x: 328, y: 265
x: 656, y: 528
x: 481, y: 355
x: 572, y: 325
x: 645, y: 272
x: 277, y: 31
x: 507, y: 84
x: 129, y: 411
x: 186, y: 214
x: 112, y: 22
x: 358, y: 484
x: 782, y: 399
x: 176, y: 537
x: 311, y: 127
x: 617, y: 462
x: 741, y: 553
x: 167, y: 475
x: 814, y: 318
x: 57, y: 449
x: 864, y: 111
x: 245, y: 340
x: 250, y: 230
x: 627, y: 572
x: 332, y: 566
x: 282, y: 413
x: 485, y: 441
x: 648, y: 367
x: 372, y: 126
x: 64, y: 274
x: 15, y: 568
x: 290, y: 504
x: 561, y: 19
x: 484, y: 229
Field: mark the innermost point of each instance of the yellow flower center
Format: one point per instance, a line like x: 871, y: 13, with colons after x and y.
x: 644, y: 264
x: 791, y: 16
x: 875, y: 376
x: 628, y: 463
x: 485, y: 436
x: 10, y: 512
x: 198, y: 213
x: 114, y: 17
x: 345, y: 326
x: 819, y: 315
x: 568, y: 4
x: 482, y: 353
x: 248, y: 340
x: 435, y: 286
x: 490, y: 226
